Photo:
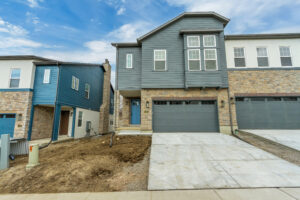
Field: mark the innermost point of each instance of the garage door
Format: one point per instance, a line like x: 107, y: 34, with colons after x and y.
x: 7, y: 124
x: 268, y: 112
x: 185, y: 116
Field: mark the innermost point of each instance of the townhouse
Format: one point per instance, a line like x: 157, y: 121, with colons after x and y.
x: 187, y: 76
x: 43, y: 98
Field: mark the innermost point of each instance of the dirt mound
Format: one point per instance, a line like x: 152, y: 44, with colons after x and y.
x: 83, y: 165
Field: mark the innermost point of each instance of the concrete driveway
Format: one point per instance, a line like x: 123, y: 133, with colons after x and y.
x: 214, y: 160
x: 290, y: 138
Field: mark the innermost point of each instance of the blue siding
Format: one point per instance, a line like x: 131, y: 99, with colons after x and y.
x: 112, y: 95
x: 45, y: 93
x: 92, y: 75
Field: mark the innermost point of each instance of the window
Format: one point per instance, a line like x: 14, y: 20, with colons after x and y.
x: 176, y: 102
x: 285, y: 56
x: 79, y: 119
x: 193, y: 41
x: 262, y: 57
x: 15, y: 78
x: 87, y: 91
x: 210, y: 58
x: 239, y: 57
x: 194, y: 59
x: 209, y: 41
x: 75, y: 83
x: 46, y: 76
x: 128, y: 60
x: 160, y: 60
x: 160, y: 102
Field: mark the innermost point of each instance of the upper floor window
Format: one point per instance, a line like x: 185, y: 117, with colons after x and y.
x: 194, y: 59
x: 285, y: 56
x: 262, y: 57
x: 160, y: 57
x: 15, y: 78
x: 47, y: 73
x: 87, y: 91
x: 75, y: 83
x: 128, y: 60
x: 193, y: 41
x: 239, y: 57
x: 210, y: 58
x: 209, y: 41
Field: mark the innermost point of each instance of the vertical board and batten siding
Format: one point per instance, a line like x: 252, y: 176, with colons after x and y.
x: 92, y: 75
x: 170, y: 39
x: 45, y: 94
x: 129, y: 79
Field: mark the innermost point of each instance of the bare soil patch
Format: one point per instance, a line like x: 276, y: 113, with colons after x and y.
x: 279, y: 150
x: 86, y: 165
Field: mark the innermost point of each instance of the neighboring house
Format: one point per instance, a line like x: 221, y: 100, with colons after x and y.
x: 175, y: 78
x: 64, y: 98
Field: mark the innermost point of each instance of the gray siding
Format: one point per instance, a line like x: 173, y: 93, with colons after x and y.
x: 129, y: 79
x: 170, y: 39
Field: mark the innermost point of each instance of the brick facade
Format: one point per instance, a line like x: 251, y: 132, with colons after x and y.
x: 104, y: 109
x: 42, y: 122
x: 20, y: 104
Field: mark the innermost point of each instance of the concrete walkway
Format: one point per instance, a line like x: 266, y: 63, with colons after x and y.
x: 222, y: 194
x: 214, y: 160
x: 290, y: 138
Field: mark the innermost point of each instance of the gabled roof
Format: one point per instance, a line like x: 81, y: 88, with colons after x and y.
x: 186, y: 14
x: 263, y: 36
x: 223, y: 19
x: 24, y: 57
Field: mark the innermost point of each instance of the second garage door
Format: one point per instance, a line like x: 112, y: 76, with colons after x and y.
x: 268, y: 112
x: 185, y: 116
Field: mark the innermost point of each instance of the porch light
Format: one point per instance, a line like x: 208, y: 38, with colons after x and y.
x: 222, y: 104
x: 147, y: 104
x: 231, y: 100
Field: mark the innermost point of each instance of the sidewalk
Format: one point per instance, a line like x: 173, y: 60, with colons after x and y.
x: 218, y: 194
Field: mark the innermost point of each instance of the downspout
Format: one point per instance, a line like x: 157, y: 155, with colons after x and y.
x: 51, y: 139
x: 230, y: 112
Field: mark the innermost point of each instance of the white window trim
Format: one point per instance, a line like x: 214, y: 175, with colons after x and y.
x: 165, y: 51
x: 73, y: 84
x: 262, y: 57
x: 187, y: 41
x: 89, y: 89
x: 129, y: 67
x: 77, y: 84
x: 217, y: 67
x: 240, y: 57
x: 291, y: 56
x: 46, y: 79
x: 215, y: 45
x: 194, y: 59
x: 14, y: 78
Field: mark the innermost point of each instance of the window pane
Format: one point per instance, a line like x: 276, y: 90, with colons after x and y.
x: 159, y: 55
x: 15, y: 73
x: 211, y: 64
x: 129, y: 61
x: 210, y: 54
x: 239, y: 52
x: 261, y: 52
x: 160, y: 65
x: 193, y: 41
x: 285, y: 52
x: 209, y: 41
x: 194, y: 54
x: 263, y: 61
x: 80, y: 118
x: 77, y: 84
x: 73, y: 82
x: 194, y: 64
x: 46, y: 76
x: 14, y: 83
x: 286, y: 61
x: 10, y: 116
x: 240, y: 62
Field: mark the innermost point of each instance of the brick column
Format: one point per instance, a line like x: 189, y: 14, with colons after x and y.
x: 104, y: 109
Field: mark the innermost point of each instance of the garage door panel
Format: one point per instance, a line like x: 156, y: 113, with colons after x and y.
x: 185, y: 117
x: 7, y: 124
x: 271, y: 113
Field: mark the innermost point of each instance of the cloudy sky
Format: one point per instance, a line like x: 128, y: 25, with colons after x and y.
x: 82, y: 30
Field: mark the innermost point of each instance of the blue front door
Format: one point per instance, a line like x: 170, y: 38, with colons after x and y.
x: 135, y: 111
x: 7, y: 124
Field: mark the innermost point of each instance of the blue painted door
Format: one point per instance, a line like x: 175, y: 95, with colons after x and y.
x: 135, y: 111
x: 7, y: 124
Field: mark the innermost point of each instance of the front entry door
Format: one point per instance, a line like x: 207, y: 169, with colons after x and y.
x: 135, y: 111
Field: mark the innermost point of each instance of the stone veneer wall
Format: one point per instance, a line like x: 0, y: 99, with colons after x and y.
x: 42, y: 122
x: 19, y: 103
x: 219, y: 94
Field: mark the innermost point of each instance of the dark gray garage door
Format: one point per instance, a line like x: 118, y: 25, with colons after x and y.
x: 268, y: 112
x: 185, y: 116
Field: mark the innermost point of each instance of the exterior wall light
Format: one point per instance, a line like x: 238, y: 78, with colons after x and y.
x: 222, y: 104
x: 231, y: 100
x: 147, y: 104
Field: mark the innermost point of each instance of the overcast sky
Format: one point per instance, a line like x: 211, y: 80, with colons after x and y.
x: 82, y: 30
